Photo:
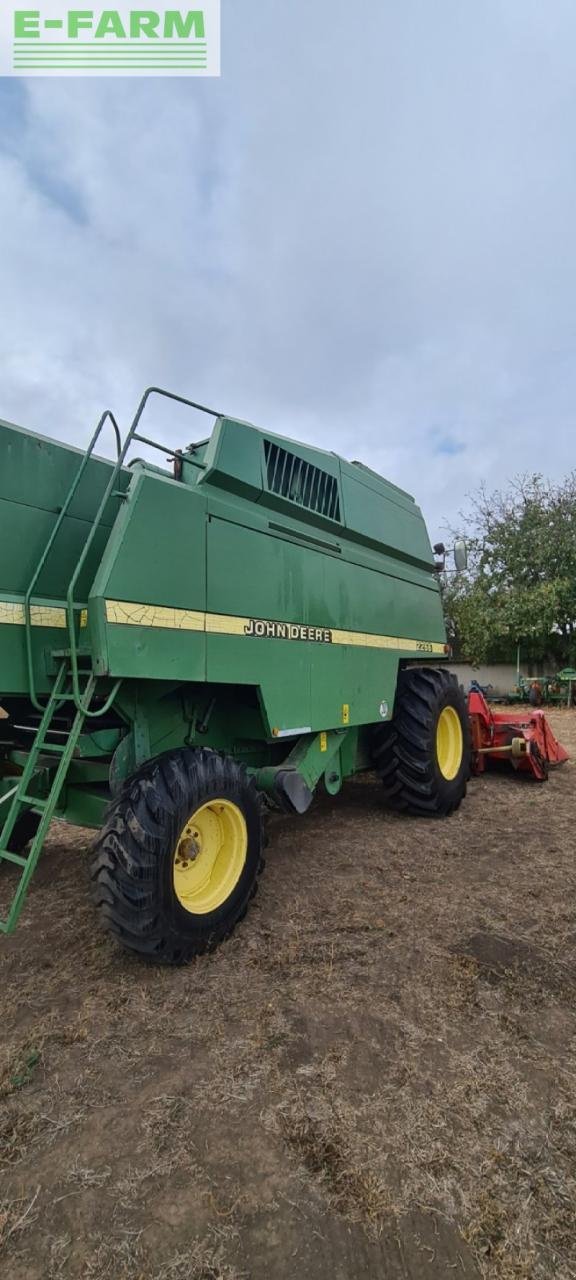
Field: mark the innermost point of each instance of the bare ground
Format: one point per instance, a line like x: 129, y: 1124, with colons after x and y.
x: 375, y: 1077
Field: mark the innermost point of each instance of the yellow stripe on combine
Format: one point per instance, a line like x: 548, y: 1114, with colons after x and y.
x: 125, y: 613
x: 141, y: 615
x: 367, y: 640
x: 226, y: 624
x: 12, y: 614
x: 154, y: 615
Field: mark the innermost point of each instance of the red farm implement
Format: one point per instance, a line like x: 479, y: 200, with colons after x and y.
x: 523, y: 739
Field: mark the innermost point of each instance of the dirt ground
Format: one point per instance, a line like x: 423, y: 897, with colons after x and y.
x: 375, y: 1077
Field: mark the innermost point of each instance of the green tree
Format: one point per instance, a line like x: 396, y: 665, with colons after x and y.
x: 520, y: 585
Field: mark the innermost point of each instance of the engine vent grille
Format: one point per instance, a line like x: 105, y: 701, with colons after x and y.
x: 301, y: 482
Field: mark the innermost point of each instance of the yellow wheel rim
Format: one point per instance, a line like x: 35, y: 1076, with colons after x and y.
x: 210, y: 856
x: 449, y: 743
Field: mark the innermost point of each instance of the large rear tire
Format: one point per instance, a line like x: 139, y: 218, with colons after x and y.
x: 423, y: 754
x: 178, y: 859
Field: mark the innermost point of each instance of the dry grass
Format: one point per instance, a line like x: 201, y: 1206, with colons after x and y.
x: 17, y: 1216
x: 17, y: 1133
x: 382, y: 1060
x: 327, y: 1156
x: 204, y: 1261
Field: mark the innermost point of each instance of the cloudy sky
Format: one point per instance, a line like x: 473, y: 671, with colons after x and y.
x: 362, y: 235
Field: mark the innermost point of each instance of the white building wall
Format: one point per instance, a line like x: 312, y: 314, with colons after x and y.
x: 501, y: 675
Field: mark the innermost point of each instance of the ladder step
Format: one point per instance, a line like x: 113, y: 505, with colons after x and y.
x: 67, y: 653
x: 35, y: 764
x: 6, y: 855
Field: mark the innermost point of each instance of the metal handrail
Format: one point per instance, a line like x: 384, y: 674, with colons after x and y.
x: 70, y: 606
x: 57, y: 527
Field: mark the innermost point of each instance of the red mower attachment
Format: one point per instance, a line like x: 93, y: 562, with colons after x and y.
x: 523, y: 739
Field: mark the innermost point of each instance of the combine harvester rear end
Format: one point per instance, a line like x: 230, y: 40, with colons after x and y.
x: 183, y: 648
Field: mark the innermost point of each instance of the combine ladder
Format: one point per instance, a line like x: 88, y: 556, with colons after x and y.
x: 46, y: 806
x: 66, y: 686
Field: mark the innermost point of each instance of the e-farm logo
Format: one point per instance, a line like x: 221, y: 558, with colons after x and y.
x: 57, y: 40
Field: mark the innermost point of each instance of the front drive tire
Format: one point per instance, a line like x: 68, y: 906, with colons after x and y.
x: 178, y: 859
x: 423, y: 754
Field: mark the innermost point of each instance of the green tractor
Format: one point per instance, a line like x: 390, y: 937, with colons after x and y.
x: 185, y: 647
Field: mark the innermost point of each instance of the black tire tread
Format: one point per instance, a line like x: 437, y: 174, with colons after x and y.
x: 403, y: 749
x: 125, y: 860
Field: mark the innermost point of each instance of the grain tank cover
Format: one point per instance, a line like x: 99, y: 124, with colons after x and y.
x: 318, y: 488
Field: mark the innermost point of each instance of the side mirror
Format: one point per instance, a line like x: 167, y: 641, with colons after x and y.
x: 460, y: 555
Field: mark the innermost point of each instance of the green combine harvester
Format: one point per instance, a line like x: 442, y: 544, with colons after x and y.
x: 183, y: 648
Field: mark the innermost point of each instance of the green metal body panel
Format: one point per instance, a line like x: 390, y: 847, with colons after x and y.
x: 35, y: 475
x: 221, y: 543
x: 239, y: 609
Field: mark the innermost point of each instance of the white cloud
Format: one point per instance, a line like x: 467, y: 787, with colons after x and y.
x: 362, y: 235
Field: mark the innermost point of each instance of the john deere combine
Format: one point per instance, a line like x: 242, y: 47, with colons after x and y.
x: 182, y: 647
